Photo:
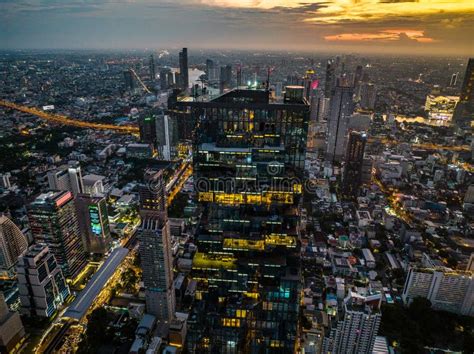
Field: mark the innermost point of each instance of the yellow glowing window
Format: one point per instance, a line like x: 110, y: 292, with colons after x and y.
x: 231, y: 322
x: 254, y: 199
x: 297, y: 188
x: 241, y: 313
x: 206, y: 197
x: 251, y: 295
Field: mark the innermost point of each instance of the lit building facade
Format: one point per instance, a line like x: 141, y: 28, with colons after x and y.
x: 41, y: 283
x: 464, y: 113
x: 440, y: 107
x: 248, y: 165
x: 94, y: 223
x: 53, y: 221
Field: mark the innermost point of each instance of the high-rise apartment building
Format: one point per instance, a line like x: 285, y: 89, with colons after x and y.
x: 93, y: 223
x: 447, y: 290
x: 152, y: 68
x: 355, y: 330
x: 147, y: 127
x: 42, y: 286
x: 248, y: 160
x: 53, y: 221
x: 12, y: 244
x: 128, y: 80
x: 353, y: 166
x: 183, y: 69
x: 155, y: 248
x: 225, y: 77
x: 12, y: 332
x: 342, y: 107
x: 464, y: 113
x: 368, y: 96
x: 166, y: 135
x: 166, y: 78
x: 66, y: 178
x: 212, y: 71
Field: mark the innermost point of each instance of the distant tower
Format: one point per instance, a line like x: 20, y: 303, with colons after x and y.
x: 183, y: 69
x: 147, y: 127
x: 330, y: 78
x: 41, y: 283
x: 352, y: 176
x: 358, y: 75
x: 94, y: 223
x: 12, y: 244
x: 464, y: 113
x: 53, y: 221
x: 152, y: 69
x: 239, y: 75
x: 341, y: 109
x: 226, y: 77
x: 454, y: 80
x: 155, y: 248
x: 128, y: 78
x: 368, y: 95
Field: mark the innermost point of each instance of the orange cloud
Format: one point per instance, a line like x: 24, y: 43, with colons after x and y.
x: 385, y: 35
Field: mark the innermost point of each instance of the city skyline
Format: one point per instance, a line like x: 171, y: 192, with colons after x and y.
x: 419, y: 27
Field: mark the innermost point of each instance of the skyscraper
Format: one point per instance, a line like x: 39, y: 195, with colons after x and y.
x: 128, y: 80
x: 464, y: 113
x: 212, y: 71
x: 341, y: 109
x: 225, y: 77
x: 12, y: 244
x: 355, y: 331
x: 352, y: 176
x: 66, y: 178
x: 93, y: 223
x: 42, y: 286
x: 155, y: 248
x: 357, y: 75
x: 247, y: 264
x: 330, y: 80
x: 147, y: 127
x: 239, y: 75
x: 166, y: 135
x: 183, y: 69
x: 151, y: 67
x: 53, y: 221
x: 166, y: 78
x: 367, y: 96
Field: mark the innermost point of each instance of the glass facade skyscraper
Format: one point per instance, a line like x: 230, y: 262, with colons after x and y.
x: 248, y: 165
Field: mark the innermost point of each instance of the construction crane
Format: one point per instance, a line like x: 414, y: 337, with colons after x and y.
x: 61, y: 119
x: 140, y: 81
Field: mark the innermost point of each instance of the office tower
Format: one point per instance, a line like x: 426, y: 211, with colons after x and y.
x: 319, y: 106
x: 5, y: 180
x: 247, y: 263
x: 12, y: 332
x: 341, y: 110
x: 454, y: 80
x: 151, y: 67
x: 225, y: 78
x: 355, y: 331
x: 352, y: 177
x: 12, y: 244
x: 147, y: 127
x: 330, y: 81
x: 66, y: 178
x: 357, y: 75
x: 155, y: 248
x: 166, y: 78
x: 447, y: 290
x: 129, y: 80
x: 367, y: 96
x: 212, y: 71
x: 464, y: 113
x: 183, y: 69
x: 93, y: 184
x: 441, y: 107
x: 166, y: 136
x: 41, y: 283
x: 239, y: 75
x: 93, y: 223
x: 53, y: 221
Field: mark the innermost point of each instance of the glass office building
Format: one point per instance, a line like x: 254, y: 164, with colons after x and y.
x: 248, y: 170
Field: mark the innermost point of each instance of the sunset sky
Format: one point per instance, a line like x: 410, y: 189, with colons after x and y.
x: 418, y: 27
